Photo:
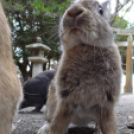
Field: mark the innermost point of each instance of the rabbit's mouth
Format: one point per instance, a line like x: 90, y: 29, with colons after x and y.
x: 76, y: 30
x: 72, y: 24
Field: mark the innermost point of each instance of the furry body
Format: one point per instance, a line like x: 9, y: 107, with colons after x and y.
x: 87, y: 81
x: 87, y: 87
x: 10, y: 87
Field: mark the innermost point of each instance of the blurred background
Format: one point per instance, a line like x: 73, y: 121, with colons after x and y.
x: 30, y: 19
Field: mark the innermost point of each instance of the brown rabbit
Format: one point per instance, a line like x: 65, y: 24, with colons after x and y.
x: 10, y: 88
x: 87, y: 81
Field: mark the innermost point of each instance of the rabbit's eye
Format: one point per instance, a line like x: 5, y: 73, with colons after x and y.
x: 100, y: 10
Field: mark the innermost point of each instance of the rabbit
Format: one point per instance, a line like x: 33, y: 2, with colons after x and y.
x: 86, y: 85
x: 10, y: 88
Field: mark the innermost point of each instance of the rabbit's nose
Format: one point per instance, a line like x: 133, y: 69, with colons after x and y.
x: 74, y: 13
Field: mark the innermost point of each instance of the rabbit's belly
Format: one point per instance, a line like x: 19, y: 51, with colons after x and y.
x: 82, y: 117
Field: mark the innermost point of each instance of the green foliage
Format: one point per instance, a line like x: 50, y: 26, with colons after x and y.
x: 123, y: 22
x: 32, y: 18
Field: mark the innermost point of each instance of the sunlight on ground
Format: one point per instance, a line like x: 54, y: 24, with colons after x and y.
x: 123, y: 83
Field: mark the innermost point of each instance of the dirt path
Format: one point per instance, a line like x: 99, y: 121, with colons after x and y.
x: 29, y: 123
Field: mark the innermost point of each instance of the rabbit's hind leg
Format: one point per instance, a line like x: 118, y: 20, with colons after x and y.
x: 61, y: 120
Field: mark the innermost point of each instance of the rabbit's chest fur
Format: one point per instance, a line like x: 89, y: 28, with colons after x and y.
x: 88, y: 78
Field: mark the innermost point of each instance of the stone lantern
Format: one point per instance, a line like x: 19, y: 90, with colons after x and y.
x: 37, y: 58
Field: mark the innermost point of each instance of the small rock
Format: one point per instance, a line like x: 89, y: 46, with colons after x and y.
x: 130, y: 117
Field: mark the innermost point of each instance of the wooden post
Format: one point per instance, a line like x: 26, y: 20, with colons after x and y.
x: 129, y: 63
x: 129, y: 66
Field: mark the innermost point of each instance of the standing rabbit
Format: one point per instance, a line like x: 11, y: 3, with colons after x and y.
x: 87, y: 81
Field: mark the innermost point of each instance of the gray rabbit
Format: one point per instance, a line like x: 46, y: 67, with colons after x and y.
x: 87, y: 81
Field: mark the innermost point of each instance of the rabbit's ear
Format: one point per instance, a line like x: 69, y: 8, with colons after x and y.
x: 106, y: 10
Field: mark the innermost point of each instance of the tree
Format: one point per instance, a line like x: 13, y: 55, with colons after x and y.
x: 119, y: 6
x: 32, y: 18
x: 117, y: 20
x: 29, y: 19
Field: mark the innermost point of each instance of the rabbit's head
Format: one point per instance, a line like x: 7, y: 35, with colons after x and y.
x: 86, y: 22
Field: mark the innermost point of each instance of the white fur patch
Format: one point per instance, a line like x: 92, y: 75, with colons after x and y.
x: 95, y: 36
x: 13, y: 128
x: 44, y: 129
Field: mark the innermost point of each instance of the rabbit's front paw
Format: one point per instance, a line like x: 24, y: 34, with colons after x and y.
x: 44, y: 129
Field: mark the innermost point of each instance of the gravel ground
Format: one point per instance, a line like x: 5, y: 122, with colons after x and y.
x: 29, y: 123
